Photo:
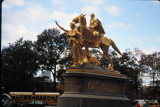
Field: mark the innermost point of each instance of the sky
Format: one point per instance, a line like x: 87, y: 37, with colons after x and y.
x: 129, y: 23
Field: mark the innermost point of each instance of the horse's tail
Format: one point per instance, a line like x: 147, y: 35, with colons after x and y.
x: 115, y: 47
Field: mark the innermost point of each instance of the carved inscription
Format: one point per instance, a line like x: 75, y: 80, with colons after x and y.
x: 104, y: 86
x: 116, y: 88
x: 90, y: 85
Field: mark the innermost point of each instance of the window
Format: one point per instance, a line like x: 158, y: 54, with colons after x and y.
x: 17, y: 96
x: 56, y: 97
x: 29, y: 97
x: 44, y: 97
x: 53, y: 97
x: 41, y: 98
x: 151, y: 104
x: 13, y: 97
x: 21, y: 96
x: 25, y: 96
x: 33, y: 97
x: 37, y: 97
x: 156, y: 103
x: 48, y: 97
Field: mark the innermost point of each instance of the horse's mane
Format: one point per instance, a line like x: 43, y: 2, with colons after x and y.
x: 84, y: 22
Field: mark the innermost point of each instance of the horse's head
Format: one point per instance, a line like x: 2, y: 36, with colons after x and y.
x: 80, y: 19
x: 76, y: 19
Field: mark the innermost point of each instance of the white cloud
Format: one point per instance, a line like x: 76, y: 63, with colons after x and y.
x: 7, y: 4
x: 138, y: 15
x: 57, y: 2
x: 30, y: 16
x: 113, y: 10
x: 96, y: 2
x: 31, y: 19
x: 136, y: 40
x: 120, y: 25
x: 150, y: 50
x: 24, y: 23
x: 92, y: 2
x: 157, y: 38
x: 90, y: 9
x: 12, y: 32
x: 155, y: 1
x: 63, y: 18
x: 92, y: 6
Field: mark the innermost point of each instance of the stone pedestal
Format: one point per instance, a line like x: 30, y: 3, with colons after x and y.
x: 91, y: 86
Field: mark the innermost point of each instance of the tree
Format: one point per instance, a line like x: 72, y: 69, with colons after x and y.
x: 52, y: 47
x: 151, y: 65
x: 19, y: 64
x: 42, y: 85
x: 129, y: 65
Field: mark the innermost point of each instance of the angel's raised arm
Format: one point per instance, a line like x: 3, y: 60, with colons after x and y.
x: 61, y: 27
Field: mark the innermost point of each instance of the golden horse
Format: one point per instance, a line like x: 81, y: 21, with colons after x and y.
x: 89, y: 40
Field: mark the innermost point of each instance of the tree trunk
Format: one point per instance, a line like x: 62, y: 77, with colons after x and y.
x: 54, y: 78
x: 136, y: 83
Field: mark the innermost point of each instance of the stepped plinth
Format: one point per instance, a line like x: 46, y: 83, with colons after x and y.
x: 92, y: 86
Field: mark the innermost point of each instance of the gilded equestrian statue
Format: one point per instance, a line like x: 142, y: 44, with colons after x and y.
x: 93, y: 37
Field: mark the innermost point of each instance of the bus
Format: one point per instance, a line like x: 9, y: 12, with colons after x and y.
x: 21, y: 98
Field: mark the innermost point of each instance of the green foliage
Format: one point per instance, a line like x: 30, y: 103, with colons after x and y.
x: 41, y: 85
x: 60, y: 76
x: 128, y: 65
x: 151, y: 65
x: 19, y: 64
x: 51, y: 45
x: 52, y: 48
x: 151, y: 62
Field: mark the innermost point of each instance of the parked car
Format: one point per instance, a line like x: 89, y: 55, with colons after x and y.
x: 6, y: 101
x: 9, y: 103
x: 153, y: 104
x: 5, y: 97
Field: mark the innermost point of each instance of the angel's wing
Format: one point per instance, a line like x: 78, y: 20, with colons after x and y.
x: 100, y: 28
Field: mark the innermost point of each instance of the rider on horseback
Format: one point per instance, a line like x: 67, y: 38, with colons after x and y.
x: 96, y: 28
x: 92, y: 37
